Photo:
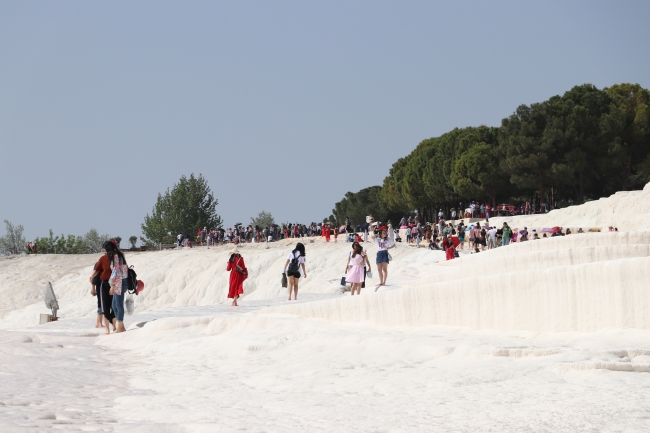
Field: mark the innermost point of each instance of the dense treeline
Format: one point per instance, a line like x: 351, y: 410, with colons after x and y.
x: 357, y: 205
x: 583, y: 145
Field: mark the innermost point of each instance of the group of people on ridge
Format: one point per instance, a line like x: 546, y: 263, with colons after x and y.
x: 294, y: 267
x: 250, y: 234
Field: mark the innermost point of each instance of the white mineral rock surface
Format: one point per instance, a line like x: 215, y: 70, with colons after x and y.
x: 541, y: 336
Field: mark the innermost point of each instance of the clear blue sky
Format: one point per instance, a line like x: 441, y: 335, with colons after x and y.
x: 283, y: 106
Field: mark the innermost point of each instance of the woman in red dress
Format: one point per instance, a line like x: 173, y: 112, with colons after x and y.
x: 449, y: 247
x: 326, y: 232
x: 238, y: 273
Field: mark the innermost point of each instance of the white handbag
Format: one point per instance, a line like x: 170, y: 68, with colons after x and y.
x: 129, y: 304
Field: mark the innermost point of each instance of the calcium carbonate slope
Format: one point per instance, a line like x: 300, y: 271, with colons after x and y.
x: 579, y: 282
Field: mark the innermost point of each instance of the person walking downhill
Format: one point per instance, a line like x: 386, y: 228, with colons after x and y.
x: 295, y: 260
x: 238, y: 273
x: 383, y: 244
x: 103, y: 269
x: 119, y: 281
x: 355, y: 269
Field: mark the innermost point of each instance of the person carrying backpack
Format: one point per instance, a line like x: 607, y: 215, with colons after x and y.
x: 295, y: 260
x: 104, y: 297
x: 118, y: 281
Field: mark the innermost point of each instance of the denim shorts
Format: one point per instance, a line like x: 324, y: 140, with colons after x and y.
x: 382, y: 257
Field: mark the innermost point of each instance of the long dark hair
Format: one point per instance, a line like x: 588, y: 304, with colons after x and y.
x: 356, y: 246
x: 112, y: 250
x: 300, y: 248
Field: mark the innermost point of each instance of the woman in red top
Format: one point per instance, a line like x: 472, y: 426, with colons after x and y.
x: 326, y: 232
x: 450, y: 248
x: 103, y: 269
x: 238, y: 273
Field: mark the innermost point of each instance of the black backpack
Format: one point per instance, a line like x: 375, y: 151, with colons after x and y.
x: 294, y: 265
x: 96, y: 281
x: 132, y: 285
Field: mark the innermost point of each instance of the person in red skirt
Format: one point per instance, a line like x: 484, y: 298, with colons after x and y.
x: 238, y: 273
x: 450, y: 248
x: 326, y: 232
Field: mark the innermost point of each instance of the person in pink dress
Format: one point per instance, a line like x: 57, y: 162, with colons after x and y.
x: 238, y: 273
x: 355, y: 268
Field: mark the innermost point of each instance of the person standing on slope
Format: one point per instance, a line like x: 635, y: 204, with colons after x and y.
x: 295, y: 260
x: 383, y: 244
x: 492, y: 238
x: 119, y: 281
x: 507, y: 234
x: 238, y: 273
x: 326, y: 232
x: 103, y: 269
x: 461, y: 234
x: 355, y: 269
x: 450, y: 248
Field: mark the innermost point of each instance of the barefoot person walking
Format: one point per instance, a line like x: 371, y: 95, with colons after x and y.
x: 295, y: 260
x: 355, y: 268
x: 119, y: 281
x: 238, y: 273
x: 103, y: 270
x: 383, y: 244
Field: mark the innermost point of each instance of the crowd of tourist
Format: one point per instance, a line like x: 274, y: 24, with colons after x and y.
x: 250, y: 234
x: 110, y: 274
x: 483, y: 210
x: 478, y: 236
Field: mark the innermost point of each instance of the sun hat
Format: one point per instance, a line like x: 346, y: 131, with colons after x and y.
x: 234, y: 251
